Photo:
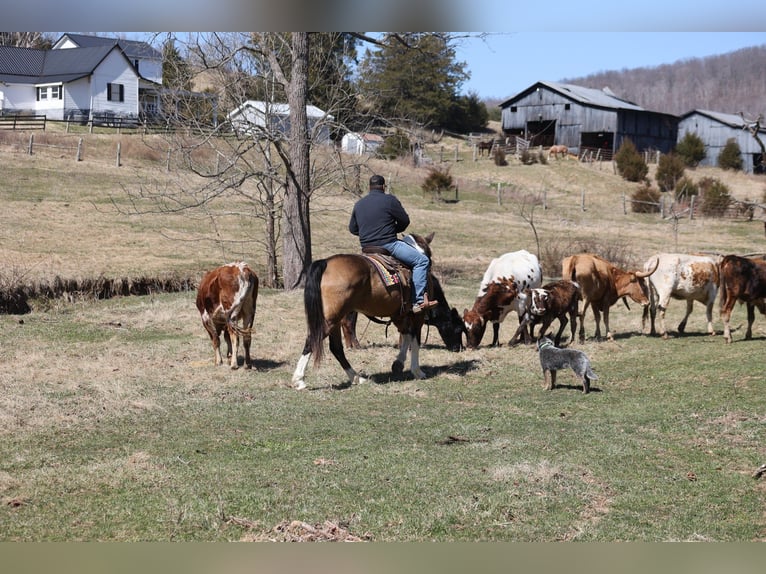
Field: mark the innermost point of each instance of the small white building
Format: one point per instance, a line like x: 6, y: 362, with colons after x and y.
x: 360, y: 143
x: 253, y: 117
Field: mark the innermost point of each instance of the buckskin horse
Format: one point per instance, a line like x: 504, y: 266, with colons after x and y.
x: 350, y: 282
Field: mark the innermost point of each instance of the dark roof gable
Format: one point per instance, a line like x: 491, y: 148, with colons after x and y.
x: 132, y: 48
x: 27, y: 65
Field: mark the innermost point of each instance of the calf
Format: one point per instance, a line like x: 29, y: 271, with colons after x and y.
x: 226, y: 296
x: 741, y: 279
x: 488, y: 307
x: 556, y: 300
x: 525, y: 271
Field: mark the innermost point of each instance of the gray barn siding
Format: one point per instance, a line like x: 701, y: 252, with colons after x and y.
x: 586, y: 124
x: 715, y: 133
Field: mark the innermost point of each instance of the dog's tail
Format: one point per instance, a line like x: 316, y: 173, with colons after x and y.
x: 591, y: 375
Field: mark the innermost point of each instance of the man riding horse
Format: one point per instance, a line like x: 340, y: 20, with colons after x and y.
x: 376, y: 219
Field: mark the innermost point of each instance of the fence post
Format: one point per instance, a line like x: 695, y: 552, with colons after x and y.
x: 624, y: 204
x: 582, y: 200
x: 119, y: 152
x: 456, y: 150
x: 79, y: 150
x: 441, y: 154
x: 545, y: 200
x: 499, y: 194
x: 167, y: 165
x: 691, y: 208
x: 31, y: 141
x: 662, y: 207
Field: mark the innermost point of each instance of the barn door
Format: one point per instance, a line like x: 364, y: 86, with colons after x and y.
x: 542, y: 133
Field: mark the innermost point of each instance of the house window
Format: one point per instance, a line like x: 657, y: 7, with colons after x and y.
x: 567, y: 106
x: 513, y: 109
x: 115, y: 92
x: 49, y: 93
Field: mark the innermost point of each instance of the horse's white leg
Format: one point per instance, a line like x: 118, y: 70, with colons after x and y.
x: 300, y: 371
x: 415, y: 359
x: 404, y: 344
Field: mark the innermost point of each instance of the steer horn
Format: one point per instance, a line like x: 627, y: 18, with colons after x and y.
x: 643, y: 274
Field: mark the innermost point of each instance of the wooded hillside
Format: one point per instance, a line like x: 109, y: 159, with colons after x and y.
x: 731, y: 83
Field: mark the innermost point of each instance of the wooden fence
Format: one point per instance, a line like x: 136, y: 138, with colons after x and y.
x: 23, y: 122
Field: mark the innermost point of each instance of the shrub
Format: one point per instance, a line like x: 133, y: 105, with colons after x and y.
x: 646, y: 199
x: 715, y: 196
x: 670, y: 170
x: 395, y: 145
x: 499, y: 157
x: 630, y: 164
x: 691, y: 149
x: 730, y: 156
x: 527, y: 157
x: 685, y: 189
x: 436, y: 181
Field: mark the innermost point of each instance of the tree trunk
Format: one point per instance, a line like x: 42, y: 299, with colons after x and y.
x: 296, y: 231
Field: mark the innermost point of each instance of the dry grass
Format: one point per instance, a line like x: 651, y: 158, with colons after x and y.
x: 113, y: 414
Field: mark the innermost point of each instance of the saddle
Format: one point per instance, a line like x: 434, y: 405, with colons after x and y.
x: 391, y: 270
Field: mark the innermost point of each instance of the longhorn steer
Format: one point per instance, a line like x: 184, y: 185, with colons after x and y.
x: 679, y: 276
x: 554, y: 300
x: 227, y: 295
x: 742, y: 279
x: 603, y: 284
x: 524, y: 270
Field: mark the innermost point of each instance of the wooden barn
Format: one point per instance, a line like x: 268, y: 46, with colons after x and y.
x: 715, y: 129
x: 549, y: 113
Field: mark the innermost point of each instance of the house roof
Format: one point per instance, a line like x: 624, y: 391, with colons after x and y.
x: 31, y: 66
x: 587, y: 96
x: 274, y: 109
x: 731, y: 120
x: 132, y: 48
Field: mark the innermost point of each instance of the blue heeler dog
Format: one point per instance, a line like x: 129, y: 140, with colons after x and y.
x: 552, y: 359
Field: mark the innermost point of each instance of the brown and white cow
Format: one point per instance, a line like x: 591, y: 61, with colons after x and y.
x: 226, y: 296
x: 681, y: 276
x: 603, y: 284
x: 742, y: 279
x: 524, y: 269
x: 554, y: 300
x: 488, y: 307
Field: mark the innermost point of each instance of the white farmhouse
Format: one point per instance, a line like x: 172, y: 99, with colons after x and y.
x: 95, y: 77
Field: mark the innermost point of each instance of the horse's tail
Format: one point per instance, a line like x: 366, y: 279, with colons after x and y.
x: 312, y: 302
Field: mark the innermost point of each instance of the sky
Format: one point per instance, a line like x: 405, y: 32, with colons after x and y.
x: 503, y: 64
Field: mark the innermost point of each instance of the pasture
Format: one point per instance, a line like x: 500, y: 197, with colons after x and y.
x: 117, y: 426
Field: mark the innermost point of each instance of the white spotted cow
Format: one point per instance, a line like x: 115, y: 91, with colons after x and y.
x: 681, y: 276
x: 524, y: 269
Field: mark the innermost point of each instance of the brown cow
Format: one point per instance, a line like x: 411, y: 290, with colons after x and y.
x: 554, y: 300
x: 227, y: 295
x: 742, y: 279
x: 603, y: 284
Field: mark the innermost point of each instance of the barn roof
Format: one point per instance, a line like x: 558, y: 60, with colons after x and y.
x: 731, y: 120
x: 586, y: 96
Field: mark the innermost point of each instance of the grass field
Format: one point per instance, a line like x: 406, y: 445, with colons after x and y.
x: 116, y: 426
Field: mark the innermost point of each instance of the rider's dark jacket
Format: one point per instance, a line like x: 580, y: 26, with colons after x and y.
x: 377, y: 218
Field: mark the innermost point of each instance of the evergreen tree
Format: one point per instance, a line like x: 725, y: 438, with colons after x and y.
x: 412, y: 77
x: 730, y: 156
x: 691, y: 149
x: 630, y: 164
